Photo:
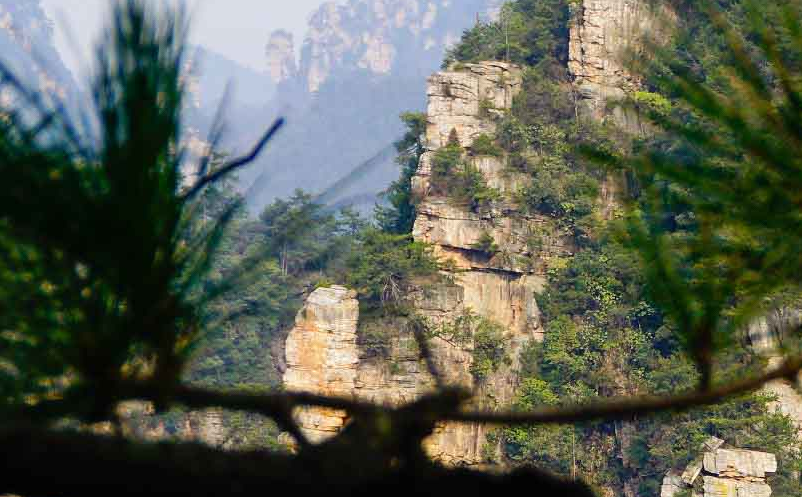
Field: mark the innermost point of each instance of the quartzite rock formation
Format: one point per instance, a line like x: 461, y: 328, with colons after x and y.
x: 723, y: 472
x: 323, y: 352
x: 602, y: 32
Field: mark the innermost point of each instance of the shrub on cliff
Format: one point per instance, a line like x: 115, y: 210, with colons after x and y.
x: 526, y: 32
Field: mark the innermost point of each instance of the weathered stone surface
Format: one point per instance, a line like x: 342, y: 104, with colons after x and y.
x: 746, y: 464
x: 456, y: 99
x: 602, y: 33
x: 692, y: 471
x: 672, y: 485
x: 322, y: 356
x: 724, y: 487
x: 766, y: 335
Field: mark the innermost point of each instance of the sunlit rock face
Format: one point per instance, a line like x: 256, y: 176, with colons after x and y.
x: 723, y: 472
x: 766, y: 335
x: 324, y: 350
x: 322, y: 356
x: 602, y: 35
x: 384, y: 49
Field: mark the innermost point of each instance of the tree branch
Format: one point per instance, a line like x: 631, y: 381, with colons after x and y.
x: 43, y: 463
x: 277, y: 405
x: 627, y: 408
x: 236, y: 163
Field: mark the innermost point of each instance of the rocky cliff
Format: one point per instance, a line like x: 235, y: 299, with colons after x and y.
x: 28, y: 51
x: 603, y: 33
x: 766, y: 336
x: 323, y: 350
x: 723, y: 472
x: 280, y: 54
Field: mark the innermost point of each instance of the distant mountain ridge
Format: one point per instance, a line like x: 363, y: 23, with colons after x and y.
x: 363, y: 62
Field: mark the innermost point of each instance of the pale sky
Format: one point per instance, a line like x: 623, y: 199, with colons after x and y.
x: 238, y: 29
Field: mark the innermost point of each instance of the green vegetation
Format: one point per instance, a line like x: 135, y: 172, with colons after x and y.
x: 622, y: 317
x: 484, y: 145
x: 527, y: 32
x: 459, y: 180
x: 399, y: 216
x: 487, y: 244
x: 483, y: 337
x: 652, y: 303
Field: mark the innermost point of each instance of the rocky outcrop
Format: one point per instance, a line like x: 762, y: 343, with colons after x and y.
x: 322, y: 356
x: 765, y: 336
x: 602, y: 33
x: 723, y: 472
x: 458, y: 98
x: 280, y: 54
x: 324, y: 353
x: 28, y: 51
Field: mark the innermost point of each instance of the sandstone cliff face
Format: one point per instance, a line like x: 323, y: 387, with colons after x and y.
x: 322, y: 356
x: 602, y: 32
x: 323, y: 352
x: 766, y: 336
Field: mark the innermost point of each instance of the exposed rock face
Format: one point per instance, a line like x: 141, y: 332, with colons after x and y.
x: 353, y: 48
x: 601, y: 34
x: 741, y: 464
x: 766, y: 335
x: 281, y: 56
x: 322, y: 356
x: 725, y: 472
x: 721, y: 487
x: 26, y: 42
x: 456, y: 99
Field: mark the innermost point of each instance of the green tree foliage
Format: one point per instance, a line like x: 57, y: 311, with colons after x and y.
x: 382, y: 265
x: 483, y: 337
x: 527, y: 32
x: 484, y: 145
x: 399, y: 216
x: 101, y: 255
x: 722, y: 94
x: 458, y: 179
x: 299, y: 232
x: 487, y: 244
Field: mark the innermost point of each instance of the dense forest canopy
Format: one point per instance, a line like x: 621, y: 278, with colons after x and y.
x: 653, y: 302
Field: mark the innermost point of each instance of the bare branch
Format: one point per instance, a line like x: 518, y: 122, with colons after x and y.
x: 628, y: 408
x: 236, y: 163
